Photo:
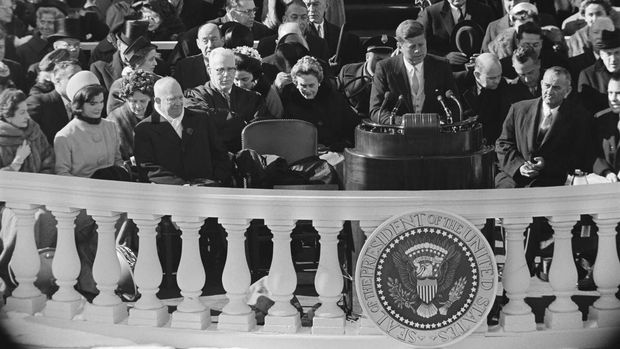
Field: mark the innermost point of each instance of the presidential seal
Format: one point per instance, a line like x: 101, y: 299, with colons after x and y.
x: 426, y: 278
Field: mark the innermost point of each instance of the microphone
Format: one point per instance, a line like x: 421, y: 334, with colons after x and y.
x: 386, y: 97
x: 395, y: 109
x: 450, y: 94
x: 445, y: 107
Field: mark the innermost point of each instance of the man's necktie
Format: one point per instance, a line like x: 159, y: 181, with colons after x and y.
x: 544, y: 127
x: 461, y: 15
x: 415, y: 85
x: 319, y: 31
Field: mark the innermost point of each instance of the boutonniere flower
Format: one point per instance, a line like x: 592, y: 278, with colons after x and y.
x: 189, y: 131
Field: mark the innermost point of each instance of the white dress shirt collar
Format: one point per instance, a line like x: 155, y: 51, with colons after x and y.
x: 176, y: 123
x: 320, y: 28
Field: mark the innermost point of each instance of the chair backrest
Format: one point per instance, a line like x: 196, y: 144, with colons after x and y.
x: 290, y: 139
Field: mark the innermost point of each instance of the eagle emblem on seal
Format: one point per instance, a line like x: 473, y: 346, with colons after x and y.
x: 426, y: 273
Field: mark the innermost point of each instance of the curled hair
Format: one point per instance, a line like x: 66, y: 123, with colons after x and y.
x: 138, y: 81
x: 308, y: 65
x: 604, y: 3
x: 523, y: 53
x: 9, y: 100
x: 84, y: 95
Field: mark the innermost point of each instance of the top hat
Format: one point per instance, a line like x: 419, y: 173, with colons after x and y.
x: 61, y: 6
x: 72, y: 29
x: 467, y: 37
x: 48, y: 61
x: 607, y: 40
x: 131, y: 30
x: 138, y: 45
x: 380, y: 43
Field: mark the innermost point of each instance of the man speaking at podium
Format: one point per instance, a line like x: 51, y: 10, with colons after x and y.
x: 413, y: 74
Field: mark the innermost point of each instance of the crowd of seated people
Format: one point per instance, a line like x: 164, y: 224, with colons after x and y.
x: 543, y: 77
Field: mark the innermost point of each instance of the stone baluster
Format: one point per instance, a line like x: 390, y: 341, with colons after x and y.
x: 606, y: 273
x: 563, y: 313
x: 236, y: 315
x: 191, y: 277
x: 480, y: 222
x: 282, y: 280
x: 106, y: 306
x: 148, y: 310
x: 516, y: 316
x: 366, y: 326
x: 328, y: 318
x: 66, y: 302
x: 25, y: 263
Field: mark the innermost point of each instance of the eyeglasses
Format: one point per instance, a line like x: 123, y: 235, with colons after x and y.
x: 250, y: 12
x: 174, y: 99
x: 221, y: 71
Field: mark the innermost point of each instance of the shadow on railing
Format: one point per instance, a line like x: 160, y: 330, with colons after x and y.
x: 188, y: 207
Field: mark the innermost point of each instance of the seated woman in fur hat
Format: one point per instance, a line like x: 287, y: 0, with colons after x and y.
x: 141, y: 55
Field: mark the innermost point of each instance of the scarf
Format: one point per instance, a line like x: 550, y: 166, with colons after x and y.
x: 88, y: 120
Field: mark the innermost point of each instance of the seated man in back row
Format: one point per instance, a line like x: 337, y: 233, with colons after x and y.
x: 413, y: 74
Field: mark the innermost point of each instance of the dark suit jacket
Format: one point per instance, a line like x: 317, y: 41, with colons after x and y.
x: 165, y: 158
x: 607, y: 142
x: 245, y: 107
x: 186, y: 45
x: 318, y: 47
x: 491, y: 106
x: 107, y: 73
x: 191, y: 72
x: 351, y: 47
x: 48, y: 110
x: 518, y: 91
x: 391, y: 75
x: 438, y: 22
x: 355, y: 83
x: 567, y: 145
x: 592, y: 86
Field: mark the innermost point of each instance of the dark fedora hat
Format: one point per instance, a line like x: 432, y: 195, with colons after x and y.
x: 380, y: 43
x: 61, y: 6
x: 72, y: 28
x: 607, y: 40
x: 132, y: 30
x: 467, y: 37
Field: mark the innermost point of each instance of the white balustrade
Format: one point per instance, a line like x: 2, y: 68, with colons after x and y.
x: 282, y: 280
x: 148, y: 310
x: 106, y: 306
x: 236, y: 315
x: 25, y: 263
x: 480, y: 222
x: 66, y: 302
x: 563, y: 313
x: 516, y: 316
x: 606, y: 273
x: 280, y: 209
x: 365, y: 325
x: 191, y: 277
x: 328, y: 318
